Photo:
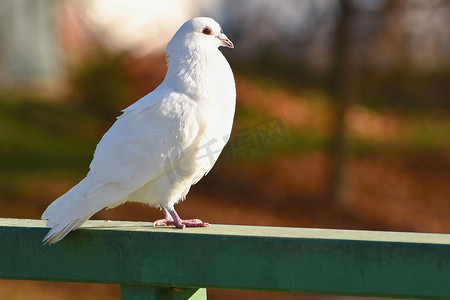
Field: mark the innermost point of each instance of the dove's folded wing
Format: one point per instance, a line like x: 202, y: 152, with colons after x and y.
x: 138, y: 146
x: 144, y: 143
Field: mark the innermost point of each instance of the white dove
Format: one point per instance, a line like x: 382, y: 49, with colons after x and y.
x: 163, y: 143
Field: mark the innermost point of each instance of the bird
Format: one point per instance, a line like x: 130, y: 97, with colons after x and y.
x: 163, y: 143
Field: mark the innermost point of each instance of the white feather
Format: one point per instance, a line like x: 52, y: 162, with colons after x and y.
x: 153, y: 152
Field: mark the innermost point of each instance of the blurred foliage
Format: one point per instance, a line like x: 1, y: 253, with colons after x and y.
x: 407, y: 90
x: 101, y: 85
x: 400, y: 89
x: 42, y: 137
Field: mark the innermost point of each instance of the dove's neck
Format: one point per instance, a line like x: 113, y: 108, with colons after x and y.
x: 193, y: 70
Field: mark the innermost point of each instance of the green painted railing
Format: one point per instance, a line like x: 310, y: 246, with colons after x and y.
x: 166, y: 263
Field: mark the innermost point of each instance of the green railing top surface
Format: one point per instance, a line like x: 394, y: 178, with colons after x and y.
x: 250, y: 231
x: 390, y: 264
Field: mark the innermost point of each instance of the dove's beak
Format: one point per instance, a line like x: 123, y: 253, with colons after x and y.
x: 225, y: 41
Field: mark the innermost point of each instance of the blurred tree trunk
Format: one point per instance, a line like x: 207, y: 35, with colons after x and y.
x: 341, y: 84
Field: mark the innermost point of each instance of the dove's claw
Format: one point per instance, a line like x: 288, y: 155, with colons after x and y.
x: 180, y: 225
x: 163, y: 222
x: 195, y: 223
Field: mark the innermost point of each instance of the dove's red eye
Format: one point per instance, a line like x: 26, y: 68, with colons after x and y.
x: 207, y: 30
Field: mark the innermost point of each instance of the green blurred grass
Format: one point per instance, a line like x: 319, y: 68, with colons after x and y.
x: 41, y: 138
x: 54, y: 140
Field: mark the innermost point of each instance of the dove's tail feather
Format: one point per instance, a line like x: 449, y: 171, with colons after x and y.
x: 58, y: 232
x: 75, y: 207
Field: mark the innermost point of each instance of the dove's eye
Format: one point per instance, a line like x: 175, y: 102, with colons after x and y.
x: 207, y: 30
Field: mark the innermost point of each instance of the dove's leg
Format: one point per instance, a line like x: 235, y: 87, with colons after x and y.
x: 172, y: 218
x: 165, y: 221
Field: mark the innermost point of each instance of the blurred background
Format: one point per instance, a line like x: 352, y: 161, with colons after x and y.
x: 342, y: 121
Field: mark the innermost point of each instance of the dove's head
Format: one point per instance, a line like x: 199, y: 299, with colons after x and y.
x: 201, y: 32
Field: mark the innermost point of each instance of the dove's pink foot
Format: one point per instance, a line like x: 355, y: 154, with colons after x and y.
x: 171, y: 218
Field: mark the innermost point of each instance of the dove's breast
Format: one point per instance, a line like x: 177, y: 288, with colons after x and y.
x: 217, y: 114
